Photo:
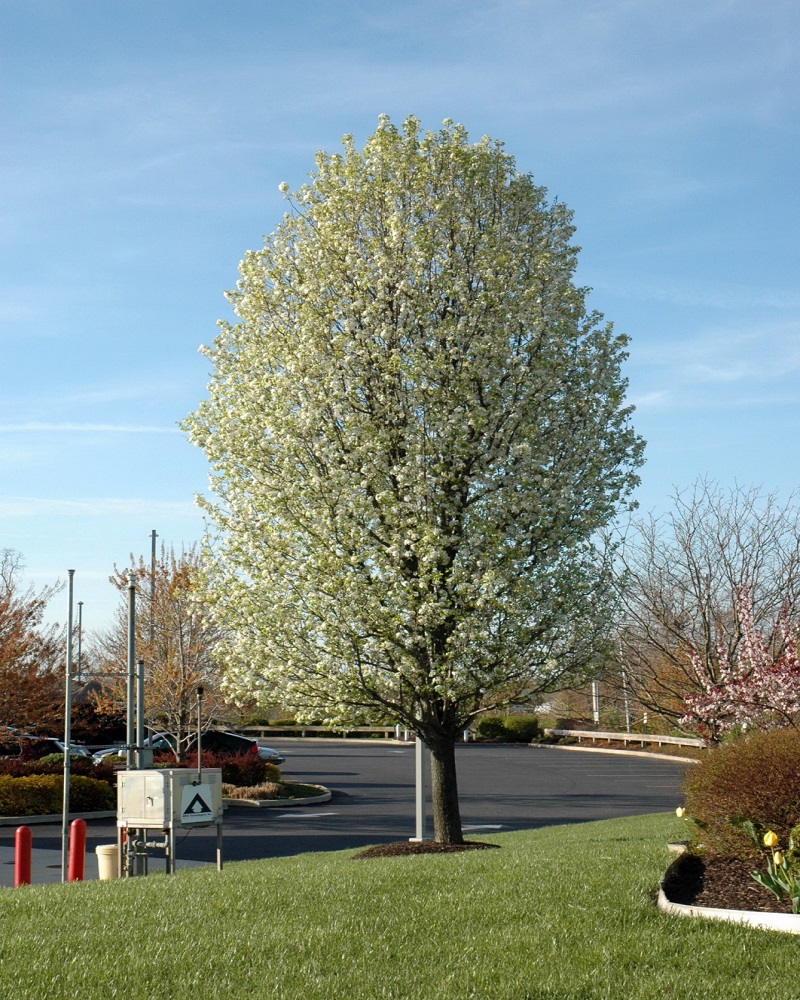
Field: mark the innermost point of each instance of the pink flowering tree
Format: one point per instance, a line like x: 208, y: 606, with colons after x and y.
x: 757, y: 687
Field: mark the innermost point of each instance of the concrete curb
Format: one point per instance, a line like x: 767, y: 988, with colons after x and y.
x: 789, y: 923
x: 621, y: 753
x: 55, y: 818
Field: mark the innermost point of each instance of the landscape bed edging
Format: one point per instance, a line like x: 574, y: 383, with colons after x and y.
x: 789, y: 923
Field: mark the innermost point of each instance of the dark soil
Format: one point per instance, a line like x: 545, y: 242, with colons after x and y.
x: 403, y: 847
x: 721, y: 883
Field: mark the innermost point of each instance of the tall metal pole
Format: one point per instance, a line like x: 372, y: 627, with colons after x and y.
x: 199, y: 734
x: 67, y: 734
x: 140, y: 714
x: 596, y: 702
x: 131, y: 716
x: 153, y: 537
x: 421, y: 759
x: 80, y: 637
x: 626, y: 695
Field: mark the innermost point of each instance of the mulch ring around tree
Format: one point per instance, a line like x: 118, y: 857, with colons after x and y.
x: 719, y: 883
x: 404, y: 847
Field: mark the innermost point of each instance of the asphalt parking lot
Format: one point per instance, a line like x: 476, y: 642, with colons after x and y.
x: 501, y: 787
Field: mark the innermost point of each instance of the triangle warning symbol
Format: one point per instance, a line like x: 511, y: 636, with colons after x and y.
x: 197, y: 806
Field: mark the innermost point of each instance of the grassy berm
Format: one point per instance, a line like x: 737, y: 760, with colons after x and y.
x: 563, y: 913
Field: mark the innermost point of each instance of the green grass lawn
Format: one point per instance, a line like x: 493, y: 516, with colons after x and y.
x: 563, y: 913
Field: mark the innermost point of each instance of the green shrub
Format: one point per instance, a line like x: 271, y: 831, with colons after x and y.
x: 508, y: 728
x: 54, y: 764
x: 755, y: 778
x: 90, y: 794
x: 522, y: 728
x: 42, y: 794
x: 56, y: 760
x: 490, y: 727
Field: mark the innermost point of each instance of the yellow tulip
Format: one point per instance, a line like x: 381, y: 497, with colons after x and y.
x: 777, y: 858
x: 680, y: 812
x: 771, y: 839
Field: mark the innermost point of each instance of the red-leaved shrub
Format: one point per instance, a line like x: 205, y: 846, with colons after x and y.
x: 241, y: 769
x: 756, y: 777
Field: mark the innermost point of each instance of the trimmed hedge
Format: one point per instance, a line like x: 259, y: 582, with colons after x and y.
x: 54, y: 764
x: 756, y: 778
x: 509, y: 728
x: 42, y: 794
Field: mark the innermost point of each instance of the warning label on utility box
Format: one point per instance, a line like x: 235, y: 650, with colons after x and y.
x: 196, y: 804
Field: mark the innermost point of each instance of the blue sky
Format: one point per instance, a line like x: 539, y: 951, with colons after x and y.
x: 143, y: 147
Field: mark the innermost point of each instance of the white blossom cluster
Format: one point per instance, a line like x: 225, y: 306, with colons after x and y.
x: 414, y: 430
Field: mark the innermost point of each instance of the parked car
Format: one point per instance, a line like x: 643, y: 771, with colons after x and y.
x: 27, y: 747
x: 232, y: 743
x: 215, y: 741
x: 158, y: 741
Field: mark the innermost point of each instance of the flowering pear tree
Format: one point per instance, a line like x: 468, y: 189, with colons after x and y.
x: 758, y: 687
x: 415, y: 429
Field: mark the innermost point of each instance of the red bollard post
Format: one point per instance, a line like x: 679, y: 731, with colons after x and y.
x: 77, y: 850
x: 22, y: 856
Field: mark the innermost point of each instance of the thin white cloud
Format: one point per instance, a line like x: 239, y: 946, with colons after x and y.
x: 129, y: 390
x: 757, y: 353
x: 686, y: 291
x: 657, y: 399
x: 95, y: 507
x: 69, y: 428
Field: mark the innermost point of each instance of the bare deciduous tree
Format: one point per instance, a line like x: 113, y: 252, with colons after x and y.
x: 682, y: 574
x: 173, y: 639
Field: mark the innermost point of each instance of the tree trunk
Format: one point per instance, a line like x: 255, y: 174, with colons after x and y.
x: 444, y: 792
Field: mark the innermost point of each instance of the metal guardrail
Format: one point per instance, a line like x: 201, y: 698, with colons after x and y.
x: 642, y: 738
x: 387, y: 732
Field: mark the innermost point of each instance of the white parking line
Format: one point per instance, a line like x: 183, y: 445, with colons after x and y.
x: 302, y: 815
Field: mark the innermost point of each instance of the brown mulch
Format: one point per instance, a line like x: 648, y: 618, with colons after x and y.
x: 403, y: 847
x: 721, y: 883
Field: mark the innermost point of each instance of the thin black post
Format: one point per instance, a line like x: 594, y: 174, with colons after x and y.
x: 199, y: 734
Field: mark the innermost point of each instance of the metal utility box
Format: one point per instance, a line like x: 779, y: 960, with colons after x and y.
x: 164, y: 799
x: 170, y: 797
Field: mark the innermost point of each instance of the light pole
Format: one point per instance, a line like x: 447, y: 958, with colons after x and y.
x: 131, y: 715
x: 153, y: 537
x: 80, y: 636
x: 596, y: 703
x: 67, y: 733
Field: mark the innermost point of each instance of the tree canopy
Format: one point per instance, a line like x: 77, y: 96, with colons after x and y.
x: 415, y: 430
x: 31, y: 652
x: 683, y: 575
x: 174, y: 640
